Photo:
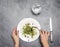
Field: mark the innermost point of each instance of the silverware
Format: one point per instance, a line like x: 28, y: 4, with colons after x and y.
x: 51, y: 35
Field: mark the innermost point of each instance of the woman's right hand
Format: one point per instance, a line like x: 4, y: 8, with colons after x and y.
x: 44, y: 35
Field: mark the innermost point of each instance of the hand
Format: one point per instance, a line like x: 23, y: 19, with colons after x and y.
x: 15, y: 36
x: 44, y: 35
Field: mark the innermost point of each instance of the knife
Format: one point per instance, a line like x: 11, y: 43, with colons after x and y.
x: 51, y: 36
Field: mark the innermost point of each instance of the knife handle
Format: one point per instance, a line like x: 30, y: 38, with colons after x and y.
x: 51, y: 35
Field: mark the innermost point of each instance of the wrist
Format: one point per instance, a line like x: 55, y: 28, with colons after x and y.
x: 16, y: 42
x: 16, y: 45
x: 46, y: 44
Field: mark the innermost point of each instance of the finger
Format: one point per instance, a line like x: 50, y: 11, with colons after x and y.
x: 43, y: 32
x: 48, y: 33
x: 17, y: 33
x: 14, y: 31
x: 40, y: 32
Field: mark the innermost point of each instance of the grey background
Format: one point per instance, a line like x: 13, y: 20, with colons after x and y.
x: 12, y: 11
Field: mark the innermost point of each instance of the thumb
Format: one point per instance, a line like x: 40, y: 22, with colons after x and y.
x: 17, y: 33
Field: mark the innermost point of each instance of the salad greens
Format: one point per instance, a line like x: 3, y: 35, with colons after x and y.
x: 29, y: 30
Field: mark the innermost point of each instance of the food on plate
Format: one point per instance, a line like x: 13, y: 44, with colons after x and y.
x: 28, y: 29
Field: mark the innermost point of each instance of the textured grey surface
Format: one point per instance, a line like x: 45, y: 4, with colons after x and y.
x: 12, y: 11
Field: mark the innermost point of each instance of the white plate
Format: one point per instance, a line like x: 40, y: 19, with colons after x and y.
x: 32, y: 22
